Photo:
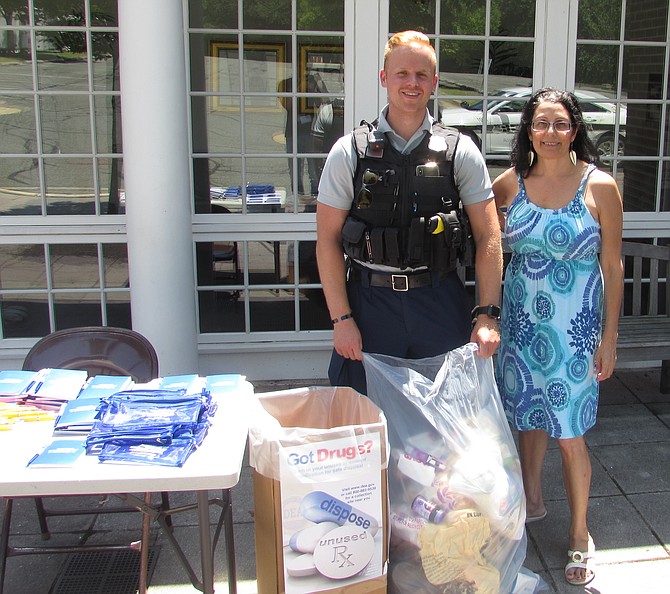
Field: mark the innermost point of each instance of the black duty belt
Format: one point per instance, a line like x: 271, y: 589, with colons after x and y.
x: 397, y: 282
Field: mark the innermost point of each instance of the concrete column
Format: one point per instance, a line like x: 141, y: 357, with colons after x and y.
x: 157, y: 183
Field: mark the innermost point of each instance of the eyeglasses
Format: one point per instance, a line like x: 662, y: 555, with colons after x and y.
x: 562, y: 126
x: 370, y: 178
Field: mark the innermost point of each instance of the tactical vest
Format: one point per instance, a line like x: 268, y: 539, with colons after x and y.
x: 406, y: 211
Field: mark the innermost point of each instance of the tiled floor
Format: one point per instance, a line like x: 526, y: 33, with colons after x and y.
x: 629, y: 513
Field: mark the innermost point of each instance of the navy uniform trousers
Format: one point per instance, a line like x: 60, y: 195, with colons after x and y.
x: 414, y: 324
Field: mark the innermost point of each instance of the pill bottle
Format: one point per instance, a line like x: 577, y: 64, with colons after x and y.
x: 426, y: 458
x: 427, y: 509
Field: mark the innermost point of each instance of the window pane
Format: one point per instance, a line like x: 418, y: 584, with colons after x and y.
x: 648, y: 24
x: 221, y: 311
x: 220, y: 263
x: 511, y: 58
x: 106, y: 61
x: 268, y: 262
x: 213, y: 15
x: 19, y: 187
x: 118, y: 310
x: 665, y: 186
x: 412, y: 14
x: 104, y: 13
x: 73, y: 310
x: 17, y: 124
x: 74, y: 266
x: 218, y: 185
x: 20, y: 76
x: 597, y: 66
x: 643, y: 70
x: 66, y: 124
x: 271, y: 311
x: 69, y: 186
x: 639, y: 186
x: 24, y: 315
x: 115, y: 260
x: 461, y: 66
x: 314, y: 314
x: 215, y: 63
x: 513, y: 18
x: 62, y: 64
x: 320, y: 15
x: 108, y: 123
x: 463, y: 18
x: 599, y: 19
x: 275, y: 14
x: 111, y: 185
x: 264, y: 123
x: 51, y: 12
x: 267, y: 183
x: 220, y: 125
x: 22, y: 267
x: 643, y: 129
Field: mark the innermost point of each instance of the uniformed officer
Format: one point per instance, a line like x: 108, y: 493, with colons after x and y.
x: 389, y: 198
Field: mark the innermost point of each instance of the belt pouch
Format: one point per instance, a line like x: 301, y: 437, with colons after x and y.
x: 415, y: 242
x: 440, y: 252
x: 392, y: 246
x: 377, y: 243
x: 352, y: 238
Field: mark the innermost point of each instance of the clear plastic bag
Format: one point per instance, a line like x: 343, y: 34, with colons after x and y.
x: 456, y: 493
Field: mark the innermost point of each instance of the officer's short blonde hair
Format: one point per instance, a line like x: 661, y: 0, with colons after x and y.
x: 408, y: 38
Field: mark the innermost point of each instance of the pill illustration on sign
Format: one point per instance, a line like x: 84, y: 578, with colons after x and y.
x: 305, y: 540
x: 301, y: 566
x: 344, y: 552
x: 321, y: 507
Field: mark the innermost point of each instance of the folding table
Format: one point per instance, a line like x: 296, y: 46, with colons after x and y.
x: 215, y: 465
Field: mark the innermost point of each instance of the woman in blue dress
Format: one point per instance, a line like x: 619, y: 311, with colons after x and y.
x: 562, y: 219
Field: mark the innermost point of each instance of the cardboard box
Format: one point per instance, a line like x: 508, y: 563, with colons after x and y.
x: 320, y: 445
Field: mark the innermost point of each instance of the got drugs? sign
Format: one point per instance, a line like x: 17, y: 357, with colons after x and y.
x: 331, y: 499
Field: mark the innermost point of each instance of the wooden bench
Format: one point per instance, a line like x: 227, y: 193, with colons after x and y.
x: 644, y: 326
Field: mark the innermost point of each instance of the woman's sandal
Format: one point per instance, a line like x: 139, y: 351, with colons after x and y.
x: 579, y: 560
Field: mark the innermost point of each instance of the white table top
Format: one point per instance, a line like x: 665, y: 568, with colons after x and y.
x: 215, y: 465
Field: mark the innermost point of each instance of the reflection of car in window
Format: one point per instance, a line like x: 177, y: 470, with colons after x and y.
x: 504, y: 114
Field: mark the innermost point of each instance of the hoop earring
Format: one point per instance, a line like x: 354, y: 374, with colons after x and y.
x: 573, y: 156
x: 531, y: 158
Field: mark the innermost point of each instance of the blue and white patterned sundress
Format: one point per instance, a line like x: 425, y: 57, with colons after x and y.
x: 551, y: 316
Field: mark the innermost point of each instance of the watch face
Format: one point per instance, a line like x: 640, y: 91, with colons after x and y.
x: 493, y: 311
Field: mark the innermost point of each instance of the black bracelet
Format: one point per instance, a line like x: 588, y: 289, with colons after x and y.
x: 342, y: 318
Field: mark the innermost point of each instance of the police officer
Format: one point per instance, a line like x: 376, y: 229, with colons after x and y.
x: 388, y: 198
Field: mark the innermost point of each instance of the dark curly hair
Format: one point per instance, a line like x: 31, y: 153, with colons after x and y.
x: 582, y: 144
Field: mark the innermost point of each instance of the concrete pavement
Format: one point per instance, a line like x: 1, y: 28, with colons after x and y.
x: 629, y: 512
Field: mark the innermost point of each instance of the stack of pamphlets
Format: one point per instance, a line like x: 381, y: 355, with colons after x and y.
x: 13, y: 384
x: 78, y: 415
x: 50, y: 388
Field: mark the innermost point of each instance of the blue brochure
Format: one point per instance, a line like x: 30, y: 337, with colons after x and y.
x: 13, y: 383
x: 56, y: 384
x: 101, y: 386
x: 60, y: 452
x: 222, y: 383
x: 190, y: 383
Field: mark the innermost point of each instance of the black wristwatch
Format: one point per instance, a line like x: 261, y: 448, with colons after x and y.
x: 492, y: 311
